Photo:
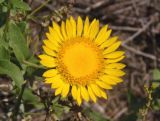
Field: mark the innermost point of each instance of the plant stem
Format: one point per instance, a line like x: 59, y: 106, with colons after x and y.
x: 32, y: 64
x: 145, y: 110
x: 37, y: 9
x: 148, y: 105
x: 18, y: 103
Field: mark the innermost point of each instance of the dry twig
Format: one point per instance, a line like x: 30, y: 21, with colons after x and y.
x: 124, y: 28
x: 138, y: 32
x: 138, y: 52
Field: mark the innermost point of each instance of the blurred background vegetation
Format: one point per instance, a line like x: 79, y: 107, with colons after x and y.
x: 24, y: 96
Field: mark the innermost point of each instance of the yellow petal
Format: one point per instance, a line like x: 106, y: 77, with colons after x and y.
x: 49, y: 51
x: 84, y: 93
x: 65, y: 90
x: 112, y: 48
x: 49, y: 64
x: 47, y: 61
x: 115, y: 79
x: 46, y: 57
x: 74, y: 92
x: 50, y: 37
x: 107, y: 80
x: 54, y: 80
x: 86, y: 27
x: 58, y: 30
x: 69, y: 30
x: 114, y: 72
x: 57, y: 82
x: 107, y: 61
x: 58, y: 91
x: 51, y: 45
x: 50, y: 73
x: 93, y: 29
x: 95, y: 89
x: 91, y: 94
x: 109, y: 42
x: 101, y: 35
x: 48, y: 81
x: 107, y: 34
x: 79, y: 26
x: 79, y: 99
x: 115, y: 54
x: 115, y: 66
x: 53, y: 36
x: 73, y: 23
x: 63, y: 30
x: 103, y: 85
x: 103, y: 94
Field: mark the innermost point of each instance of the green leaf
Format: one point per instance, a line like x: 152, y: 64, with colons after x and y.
x: 93, y: 115
x: 58, y: 109
x: 4, y: 54
x: 156, y: 104
x: 5, y: 9
x: 1, y: 34
x: 11, y: 70
x: 156, y: 74
x: 2, y: 37
x: 155, y: 85
x: 22, y: 25
x: 3, y: 18
x: 1, y: 1
x: 20, y: 5
x: 29, y: 96
x: 17, y: 43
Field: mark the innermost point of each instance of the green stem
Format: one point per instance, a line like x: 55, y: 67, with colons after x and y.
x: 37, y: 9
x: 32, y: 64
x: 18, y: 103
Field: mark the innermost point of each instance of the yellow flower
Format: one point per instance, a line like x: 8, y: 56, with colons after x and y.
x: 82, y: 59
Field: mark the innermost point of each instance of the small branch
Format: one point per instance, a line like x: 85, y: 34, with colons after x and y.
x: 37, y: 9
x: 124, y: 28
x: 138, y: 52
x: 92, y: 7
x: 120, y: 113
x: 129, y: 7
x: 138, y: 32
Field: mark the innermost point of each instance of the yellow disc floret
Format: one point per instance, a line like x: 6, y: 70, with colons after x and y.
x: 80, y: 60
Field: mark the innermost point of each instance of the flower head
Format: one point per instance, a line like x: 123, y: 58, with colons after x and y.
x: 81, y: 58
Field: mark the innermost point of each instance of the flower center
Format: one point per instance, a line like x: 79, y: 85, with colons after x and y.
x: 79, y: 60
